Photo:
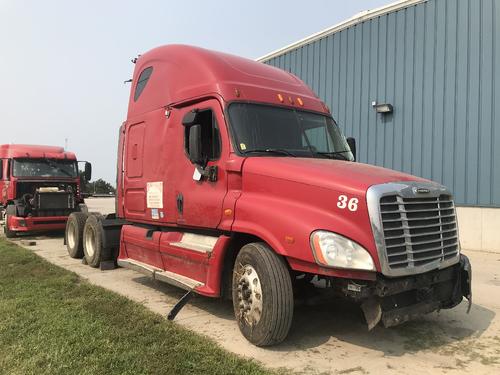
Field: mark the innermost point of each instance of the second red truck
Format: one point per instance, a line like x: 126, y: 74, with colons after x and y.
x: 39, y: 187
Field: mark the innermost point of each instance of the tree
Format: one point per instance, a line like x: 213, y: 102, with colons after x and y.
x: 96, y: 187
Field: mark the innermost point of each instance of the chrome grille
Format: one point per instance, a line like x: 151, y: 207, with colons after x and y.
x: 418, y: 230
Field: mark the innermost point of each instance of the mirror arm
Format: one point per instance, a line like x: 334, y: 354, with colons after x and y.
x: 209, y: 172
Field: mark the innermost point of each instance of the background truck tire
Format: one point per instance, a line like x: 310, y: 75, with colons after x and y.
x: 9, y: 211
x: 262, y: 295
x: 92, y: 241
x: 74, y: 234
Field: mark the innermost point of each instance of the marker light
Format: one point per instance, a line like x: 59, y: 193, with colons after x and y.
x: 299, y: 100
x: 280, y: 98
x: 333, y: 250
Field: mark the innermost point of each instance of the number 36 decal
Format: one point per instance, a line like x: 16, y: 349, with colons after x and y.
x: 351, y: 204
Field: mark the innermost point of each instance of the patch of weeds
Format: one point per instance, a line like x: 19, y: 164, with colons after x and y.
x: 52, y: 322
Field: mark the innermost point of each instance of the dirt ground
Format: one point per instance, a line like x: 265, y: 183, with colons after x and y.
x: 327, y: 336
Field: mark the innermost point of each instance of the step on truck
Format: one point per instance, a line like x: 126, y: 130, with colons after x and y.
x: 234, y: 180
x: 40, y: 187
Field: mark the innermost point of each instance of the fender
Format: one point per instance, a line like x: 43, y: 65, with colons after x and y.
x: 286, y: 222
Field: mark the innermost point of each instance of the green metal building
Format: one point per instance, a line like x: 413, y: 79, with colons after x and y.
x: 437, y: 63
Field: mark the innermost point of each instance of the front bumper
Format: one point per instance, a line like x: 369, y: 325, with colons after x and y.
x: 395, y: 301
x: 35, y: 224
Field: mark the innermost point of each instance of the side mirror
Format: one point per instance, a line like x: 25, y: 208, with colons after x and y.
x: 195, y: 151
x: 352, y: 145
x: 88, y: 171
x: 190, y: 117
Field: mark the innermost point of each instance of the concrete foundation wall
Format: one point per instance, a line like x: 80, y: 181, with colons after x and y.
x: 479, y: 228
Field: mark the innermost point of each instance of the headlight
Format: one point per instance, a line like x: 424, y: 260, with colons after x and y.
x: 333, y: 250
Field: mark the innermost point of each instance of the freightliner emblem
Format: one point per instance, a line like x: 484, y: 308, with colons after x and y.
x: 420, y: 190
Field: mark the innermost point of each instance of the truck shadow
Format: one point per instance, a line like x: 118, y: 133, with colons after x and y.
x: 331, y: 323
x: 323, y: 324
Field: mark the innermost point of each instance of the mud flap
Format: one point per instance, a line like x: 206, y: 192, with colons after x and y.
x: 180, y: 304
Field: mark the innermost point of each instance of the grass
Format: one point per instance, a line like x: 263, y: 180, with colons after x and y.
x: 52, y: 322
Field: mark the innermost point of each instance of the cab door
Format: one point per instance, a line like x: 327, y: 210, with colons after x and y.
x: 199, y: 198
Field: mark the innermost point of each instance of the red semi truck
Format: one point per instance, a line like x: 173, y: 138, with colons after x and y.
x: 235, y: 181
x: 39, y: 188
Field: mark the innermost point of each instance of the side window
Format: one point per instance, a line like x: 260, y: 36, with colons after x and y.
x: 142, y: 81
x: 209, y: 134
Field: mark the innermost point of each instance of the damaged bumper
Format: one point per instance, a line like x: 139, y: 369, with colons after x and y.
x: 395, y: 301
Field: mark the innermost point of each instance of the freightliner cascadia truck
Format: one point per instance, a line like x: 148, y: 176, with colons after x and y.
x: 234, y: 180
x: 39, y: 188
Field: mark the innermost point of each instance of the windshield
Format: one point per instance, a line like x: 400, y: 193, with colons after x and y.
x: 44, y: 168
x: 268, y: 130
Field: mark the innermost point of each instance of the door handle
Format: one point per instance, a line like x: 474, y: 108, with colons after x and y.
x: 180, y: 203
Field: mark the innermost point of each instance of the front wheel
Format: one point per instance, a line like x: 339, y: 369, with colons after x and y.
x: 9, y: 212
x: 262, y: 295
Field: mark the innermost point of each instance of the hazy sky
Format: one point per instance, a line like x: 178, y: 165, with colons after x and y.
x: 63, y: 63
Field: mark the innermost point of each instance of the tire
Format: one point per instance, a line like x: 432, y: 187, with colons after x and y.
x: 262, y: 295
x: 92, y: 241
x: 9, y: 211
x: 74, y: 234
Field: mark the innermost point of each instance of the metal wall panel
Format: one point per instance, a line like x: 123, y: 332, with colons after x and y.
x: 438, y: 64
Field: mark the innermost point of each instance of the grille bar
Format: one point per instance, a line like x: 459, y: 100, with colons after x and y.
x: 424, y: 234
x: 418, y: 231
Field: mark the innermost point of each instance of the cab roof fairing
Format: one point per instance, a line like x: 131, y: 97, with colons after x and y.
x: 34, y: 152
x: 182, y: 72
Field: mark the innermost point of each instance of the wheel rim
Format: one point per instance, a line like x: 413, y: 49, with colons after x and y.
x: 71, y: 235
x: 249, y: 295
x: 90, y: 242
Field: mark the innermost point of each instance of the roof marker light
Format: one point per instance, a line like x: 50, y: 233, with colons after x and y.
x: 290, y: 100
x: 299, y: 100
x: 280, y: 98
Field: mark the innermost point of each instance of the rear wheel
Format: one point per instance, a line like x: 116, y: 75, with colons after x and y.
x: 74, y: 234
x: 9, y: 212
x: 262, y: 295
x: 92, y: 241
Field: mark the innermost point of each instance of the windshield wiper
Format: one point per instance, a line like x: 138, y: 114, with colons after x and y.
x: 272, y: 151
x: 334, y: 154
x: 51, y: 164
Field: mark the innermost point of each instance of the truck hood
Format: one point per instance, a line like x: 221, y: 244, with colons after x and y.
x: 345, y: 176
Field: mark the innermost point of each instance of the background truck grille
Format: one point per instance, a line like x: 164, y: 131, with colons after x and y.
x: 418, y: 231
